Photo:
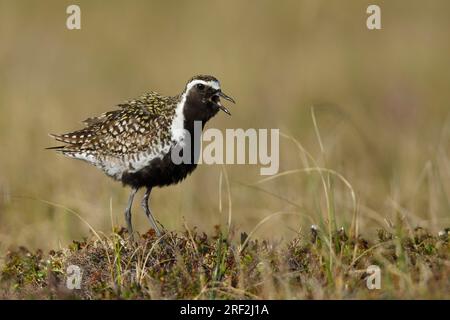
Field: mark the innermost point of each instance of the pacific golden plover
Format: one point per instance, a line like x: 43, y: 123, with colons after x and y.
x: 134, y: 143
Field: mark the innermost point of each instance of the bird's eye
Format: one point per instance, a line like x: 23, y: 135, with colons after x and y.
x: 200, y: 86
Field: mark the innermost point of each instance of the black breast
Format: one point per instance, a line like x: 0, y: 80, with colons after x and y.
x: 160, y: 172
x: 163, y: 171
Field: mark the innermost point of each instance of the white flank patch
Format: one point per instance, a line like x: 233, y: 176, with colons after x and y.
x: 85, y: 156
x: 115, y: 167
x: 138, y: 161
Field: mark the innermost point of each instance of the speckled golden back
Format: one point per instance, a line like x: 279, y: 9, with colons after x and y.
x: 134, y: 127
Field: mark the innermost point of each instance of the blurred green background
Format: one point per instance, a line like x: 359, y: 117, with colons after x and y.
x: 381, y: 101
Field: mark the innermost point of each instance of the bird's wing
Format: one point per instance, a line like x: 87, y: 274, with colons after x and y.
x: 135, y: 127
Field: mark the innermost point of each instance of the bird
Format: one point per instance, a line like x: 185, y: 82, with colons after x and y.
x: 134, y: 142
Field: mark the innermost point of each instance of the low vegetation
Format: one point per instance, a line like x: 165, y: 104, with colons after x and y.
x: 193, y: 265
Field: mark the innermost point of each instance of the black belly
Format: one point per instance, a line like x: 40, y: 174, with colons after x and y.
x: 160, y: 172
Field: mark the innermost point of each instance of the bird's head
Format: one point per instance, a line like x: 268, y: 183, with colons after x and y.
x: 203, y: 95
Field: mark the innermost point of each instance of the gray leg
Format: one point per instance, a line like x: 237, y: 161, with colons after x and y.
x: 148, y: 213
x: 128, y: 212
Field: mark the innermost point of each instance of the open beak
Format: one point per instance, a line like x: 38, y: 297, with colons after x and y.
x: 223, y: 108
x: 223, y: 95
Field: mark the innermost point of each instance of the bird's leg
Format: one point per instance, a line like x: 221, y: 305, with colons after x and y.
x: 148, y: 213
x: 128, y: 212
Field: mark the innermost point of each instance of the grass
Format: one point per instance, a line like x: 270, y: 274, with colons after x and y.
x: 191, y: 265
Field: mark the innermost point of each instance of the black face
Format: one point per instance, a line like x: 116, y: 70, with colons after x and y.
x: 203, y: 100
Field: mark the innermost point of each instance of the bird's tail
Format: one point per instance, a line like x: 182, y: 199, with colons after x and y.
x: 55, y: 148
